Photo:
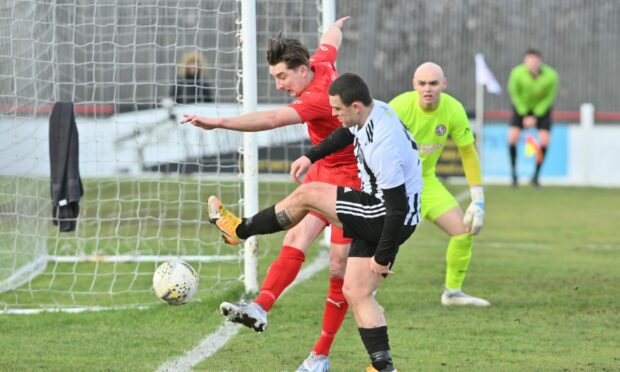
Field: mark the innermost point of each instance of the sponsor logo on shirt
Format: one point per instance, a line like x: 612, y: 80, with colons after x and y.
x: 440, y: 130
x: 427, y: 149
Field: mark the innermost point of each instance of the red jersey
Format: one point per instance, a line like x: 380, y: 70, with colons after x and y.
x: 314, y: 109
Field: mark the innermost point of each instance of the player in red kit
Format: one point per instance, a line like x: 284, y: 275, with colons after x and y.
x: 307, y: 78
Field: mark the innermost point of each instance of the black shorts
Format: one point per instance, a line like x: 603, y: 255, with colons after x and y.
x: 542, y: 122
x: 362, y: 216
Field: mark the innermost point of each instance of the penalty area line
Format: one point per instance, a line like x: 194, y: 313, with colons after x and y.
x: 218, y: 339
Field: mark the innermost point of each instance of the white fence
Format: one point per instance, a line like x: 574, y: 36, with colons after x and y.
x: 580, y: 153
x: 122, y: 143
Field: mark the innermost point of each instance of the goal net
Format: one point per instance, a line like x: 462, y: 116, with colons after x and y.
x: 131, y: 69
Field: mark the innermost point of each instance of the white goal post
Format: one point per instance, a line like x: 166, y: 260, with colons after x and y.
x: 145, y: 177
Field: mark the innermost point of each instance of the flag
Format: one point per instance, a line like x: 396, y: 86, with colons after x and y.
x: 484, y: 76
x: 532, y: 148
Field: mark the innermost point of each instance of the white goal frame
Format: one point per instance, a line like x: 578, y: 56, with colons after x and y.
x: 250, y: 185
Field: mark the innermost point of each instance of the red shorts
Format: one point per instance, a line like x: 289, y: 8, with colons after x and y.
x: 335, y: 175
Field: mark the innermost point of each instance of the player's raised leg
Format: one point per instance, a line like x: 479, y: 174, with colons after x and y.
x: 315, y: 196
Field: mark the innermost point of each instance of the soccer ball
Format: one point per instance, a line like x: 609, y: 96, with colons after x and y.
x: 175, y: 282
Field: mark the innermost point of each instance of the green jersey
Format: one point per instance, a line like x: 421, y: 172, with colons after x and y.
x: 431, y: 129
x: 531, y: 94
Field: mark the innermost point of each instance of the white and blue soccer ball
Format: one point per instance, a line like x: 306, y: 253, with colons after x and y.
x: 175, y: 282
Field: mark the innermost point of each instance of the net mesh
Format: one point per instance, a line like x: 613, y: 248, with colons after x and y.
x: 131, y: 69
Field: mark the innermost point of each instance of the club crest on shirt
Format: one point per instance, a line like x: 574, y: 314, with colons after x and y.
x: 440, y: 130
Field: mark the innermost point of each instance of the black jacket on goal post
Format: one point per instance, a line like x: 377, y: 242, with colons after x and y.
x: 66, y: 185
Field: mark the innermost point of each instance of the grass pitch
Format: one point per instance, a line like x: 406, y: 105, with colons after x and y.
x: 547, y: 259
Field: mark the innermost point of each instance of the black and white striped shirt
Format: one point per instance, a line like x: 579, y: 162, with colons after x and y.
x: 387, y: 157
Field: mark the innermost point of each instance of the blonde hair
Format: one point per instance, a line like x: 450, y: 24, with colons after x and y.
x: 192, y: 58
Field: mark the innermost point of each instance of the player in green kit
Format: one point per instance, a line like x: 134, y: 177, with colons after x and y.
x: 432, y: 116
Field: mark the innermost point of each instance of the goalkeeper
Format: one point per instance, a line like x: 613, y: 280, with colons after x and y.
x: 431, y: 116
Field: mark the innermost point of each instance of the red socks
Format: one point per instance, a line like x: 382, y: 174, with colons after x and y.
x: 281, y: 273
x: 335, y: 310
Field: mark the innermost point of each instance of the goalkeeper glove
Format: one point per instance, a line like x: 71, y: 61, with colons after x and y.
x: 474, y: 215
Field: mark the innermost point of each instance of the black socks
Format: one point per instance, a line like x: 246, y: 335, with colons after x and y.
x: 377, y: 344
x: 513, y: 159
x: 264, y: 222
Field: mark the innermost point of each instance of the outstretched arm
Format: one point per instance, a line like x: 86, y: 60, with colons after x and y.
x: 333, y: 36
x: 252, y: 122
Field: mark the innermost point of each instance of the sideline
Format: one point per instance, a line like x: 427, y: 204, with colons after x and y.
x: 218, y: 339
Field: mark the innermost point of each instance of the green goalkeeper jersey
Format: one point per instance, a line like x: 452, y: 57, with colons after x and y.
x: 531, y: 94
x: 430, y: 130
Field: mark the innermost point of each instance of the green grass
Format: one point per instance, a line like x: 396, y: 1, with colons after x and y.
x: 149, y: 217
x: 547, y: 259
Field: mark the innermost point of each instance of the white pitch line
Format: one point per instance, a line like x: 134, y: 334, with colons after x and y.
x: 218, y: 339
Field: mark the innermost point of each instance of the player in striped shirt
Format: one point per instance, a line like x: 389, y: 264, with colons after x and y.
x: 379, y: 218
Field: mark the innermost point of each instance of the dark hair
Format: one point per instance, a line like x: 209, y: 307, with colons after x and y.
x: 533, y: 52
x: 351, y: 88
x: 290, y: 51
